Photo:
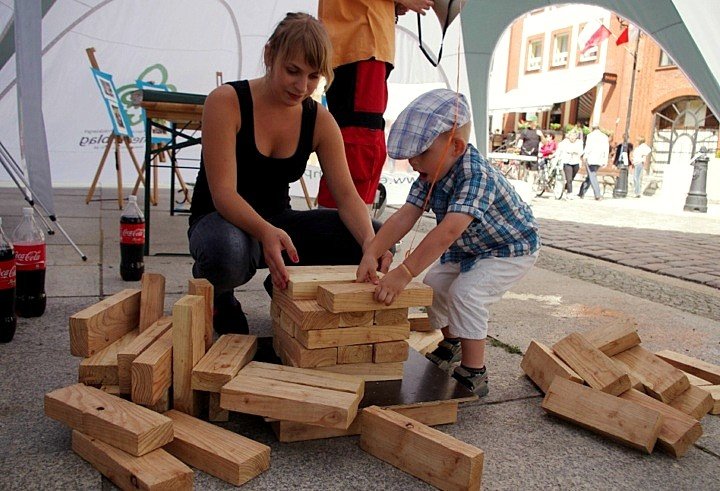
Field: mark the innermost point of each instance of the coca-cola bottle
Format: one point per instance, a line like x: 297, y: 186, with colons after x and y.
x: 132, y: 241
x: 29, y: 242
x: 8, y: 320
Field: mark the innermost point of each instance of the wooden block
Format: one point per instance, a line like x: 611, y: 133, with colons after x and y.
x: 163, y: 404
x: 613, y: 338
x: 591, y: 364
x: 369, y: 372
x: 390, y: 352
x: 215, y: 412
x: 308, y: 314
x: 304, y: 280
x: 695, y: 401
x: 425, y: 341
x: 714, y: 391
x: 156, y: 470
x: 290, y: 400
x: 287, y: 324
x: 304, y: 376
x: 615, y: 418
x: 354, y: 297
x: 127, y: 354
x: 101, y: 324
x: 275, y: 311
x: 202, y: 287
x: 419, y: 321
x: 115, y: 421
x: 660, y: 379
x: 299, y: 356
x: 102, y: 367
x: 226, y: 357
x: 219, y: 452
x: 699, y: 368
x: 352, y: 319
x: 113, y: 390
x: 188, y: 348
x: 696, y: 381
x: 431, y: 414
x: 151, y: 371
x: 152, y: 299
x: 346, y: 336
x: 541, y: 365
x: 678, y: 431
x: 359, y: 353
x: 426, y: 453
x: 391, y: 317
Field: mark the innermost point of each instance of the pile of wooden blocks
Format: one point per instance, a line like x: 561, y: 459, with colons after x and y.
x: 632, y: 395
x: 325, y: 320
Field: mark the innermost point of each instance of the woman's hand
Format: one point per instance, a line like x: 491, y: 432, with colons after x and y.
x: 275, y: 240
x: 391, y: 285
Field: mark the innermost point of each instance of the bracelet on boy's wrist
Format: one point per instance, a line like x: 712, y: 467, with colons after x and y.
x: 407, y: 270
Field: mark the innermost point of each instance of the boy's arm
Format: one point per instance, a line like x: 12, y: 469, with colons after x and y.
x: 395, y: 228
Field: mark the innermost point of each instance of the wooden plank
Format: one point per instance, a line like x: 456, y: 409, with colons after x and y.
x: 289, y: 401
x: 102, y: 367
x: 115, y: 421
x: 425, y: 341
x: 304, y: 376
x: 391, y: 317
x: 188, y: 348
x: 695, y: 401
x: 274, y: 311
x: 390, y: 352
x: 431, y: 414
x: 613, y: 417
x: 202, y: 287
x: 304, y: 280
x: 156, y: 470
x: 426, y: 453
x: 541, y: 366
x: 678, y: 431
x: 353, y: 297
x: 696, y: 381
x: 287, y: 324
x: 419, y: 321
x: 346, y: 336
x: 215, y: 412
x: 714, y: 391
x: 151, y: 371
x: 163, y: 404
x: 359, y: 353
x: 216, y: 451
x: 308, y: 314
x: 660, y: 379
x: 226, y: 357
x: 697, y: 367
x: 101, y: 324
x: 352, y: 319
x: 300, y: 356
x: 613, y: 338
x: 369, y: 372
x: 127, y: 354
x: 591, y: 364
x: 152, y: 299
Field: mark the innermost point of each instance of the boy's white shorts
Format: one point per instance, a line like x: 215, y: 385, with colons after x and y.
x: 461, y: 300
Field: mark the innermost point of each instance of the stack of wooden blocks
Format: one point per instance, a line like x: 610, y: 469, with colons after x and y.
x: 325, y: 320
x: 632, y: 395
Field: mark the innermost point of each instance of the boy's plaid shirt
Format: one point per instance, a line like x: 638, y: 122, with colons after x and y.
x: 503, y: 224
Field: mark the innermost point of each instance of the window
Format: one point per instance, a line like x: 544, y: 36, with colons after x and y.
x: 665, y: 59
x: 534, y: 54
x: 589, y: 56
x: 561, y: 49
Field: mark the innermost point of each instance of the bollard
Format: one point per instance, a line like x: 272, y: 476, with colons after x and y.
x: 621, y: 185
x: 697, y: 196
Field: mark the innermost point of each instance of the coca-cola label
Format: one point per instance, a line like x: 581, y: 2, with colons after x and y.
x: 132, y: 233
x: 30, y: 257
x: 7, y: 275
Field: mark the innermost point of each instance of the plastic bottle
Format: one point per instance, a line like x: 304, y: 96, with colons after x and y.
x: 8, y: 319
x: 29, y: 243
x: 132, y: 241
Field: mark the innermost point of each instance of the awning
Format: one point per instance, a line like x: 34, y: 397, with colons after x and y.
x: 543, y: 90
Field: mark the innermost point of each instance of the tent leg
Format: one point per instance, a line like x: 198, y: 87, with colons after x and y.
x: 91, y: 191
x: 118, y: 171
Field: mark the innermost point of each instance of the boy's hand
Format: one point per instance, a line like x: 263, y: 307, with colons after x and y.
x: 391, y: 285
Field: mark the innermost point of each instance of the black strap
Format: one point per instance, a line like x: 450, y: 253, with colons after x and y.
x: 442, y: 40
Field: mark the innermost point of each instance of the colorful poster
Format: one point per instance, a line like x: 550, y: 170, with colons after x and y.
x: 115, y: 108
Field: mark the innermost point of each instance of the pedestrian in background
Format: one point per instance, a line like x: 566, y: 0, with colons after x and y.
x: 569, y: 154
x: 595, y: 155
x: 639, y: 160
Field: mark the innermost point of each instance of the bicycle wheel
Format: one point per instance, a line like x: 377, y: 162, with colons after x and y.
x: 539, y: 183
x: 558, y: 184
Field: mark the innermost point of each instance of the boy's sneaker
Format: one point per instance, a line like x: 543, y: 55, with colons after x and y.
x: 477, y: 382
x: 446, y: 354
x: 228, y: 316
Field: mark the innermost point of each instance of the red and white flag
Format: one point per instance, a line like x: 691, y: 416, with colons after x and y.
x: 629, y: 33
x: 592, y: 34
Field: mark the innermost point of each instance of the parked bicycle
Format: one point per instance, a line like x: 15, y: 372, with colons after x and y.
x: 549, y: 178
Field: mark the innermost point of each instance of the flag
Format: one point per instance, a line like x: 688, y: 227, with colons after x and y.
x: 624, y: 36
x: 592, y: 34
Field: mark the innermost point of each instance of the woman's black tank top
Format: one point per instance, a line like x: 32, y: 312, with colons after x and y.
x: 262, y: 181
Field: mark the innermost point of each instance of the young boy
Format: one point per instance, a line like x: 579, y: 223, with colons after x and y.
x: 486, y: 236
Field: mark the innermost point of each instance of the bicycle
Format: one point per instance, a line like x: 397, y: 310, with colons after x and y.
x: 551, y: 180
